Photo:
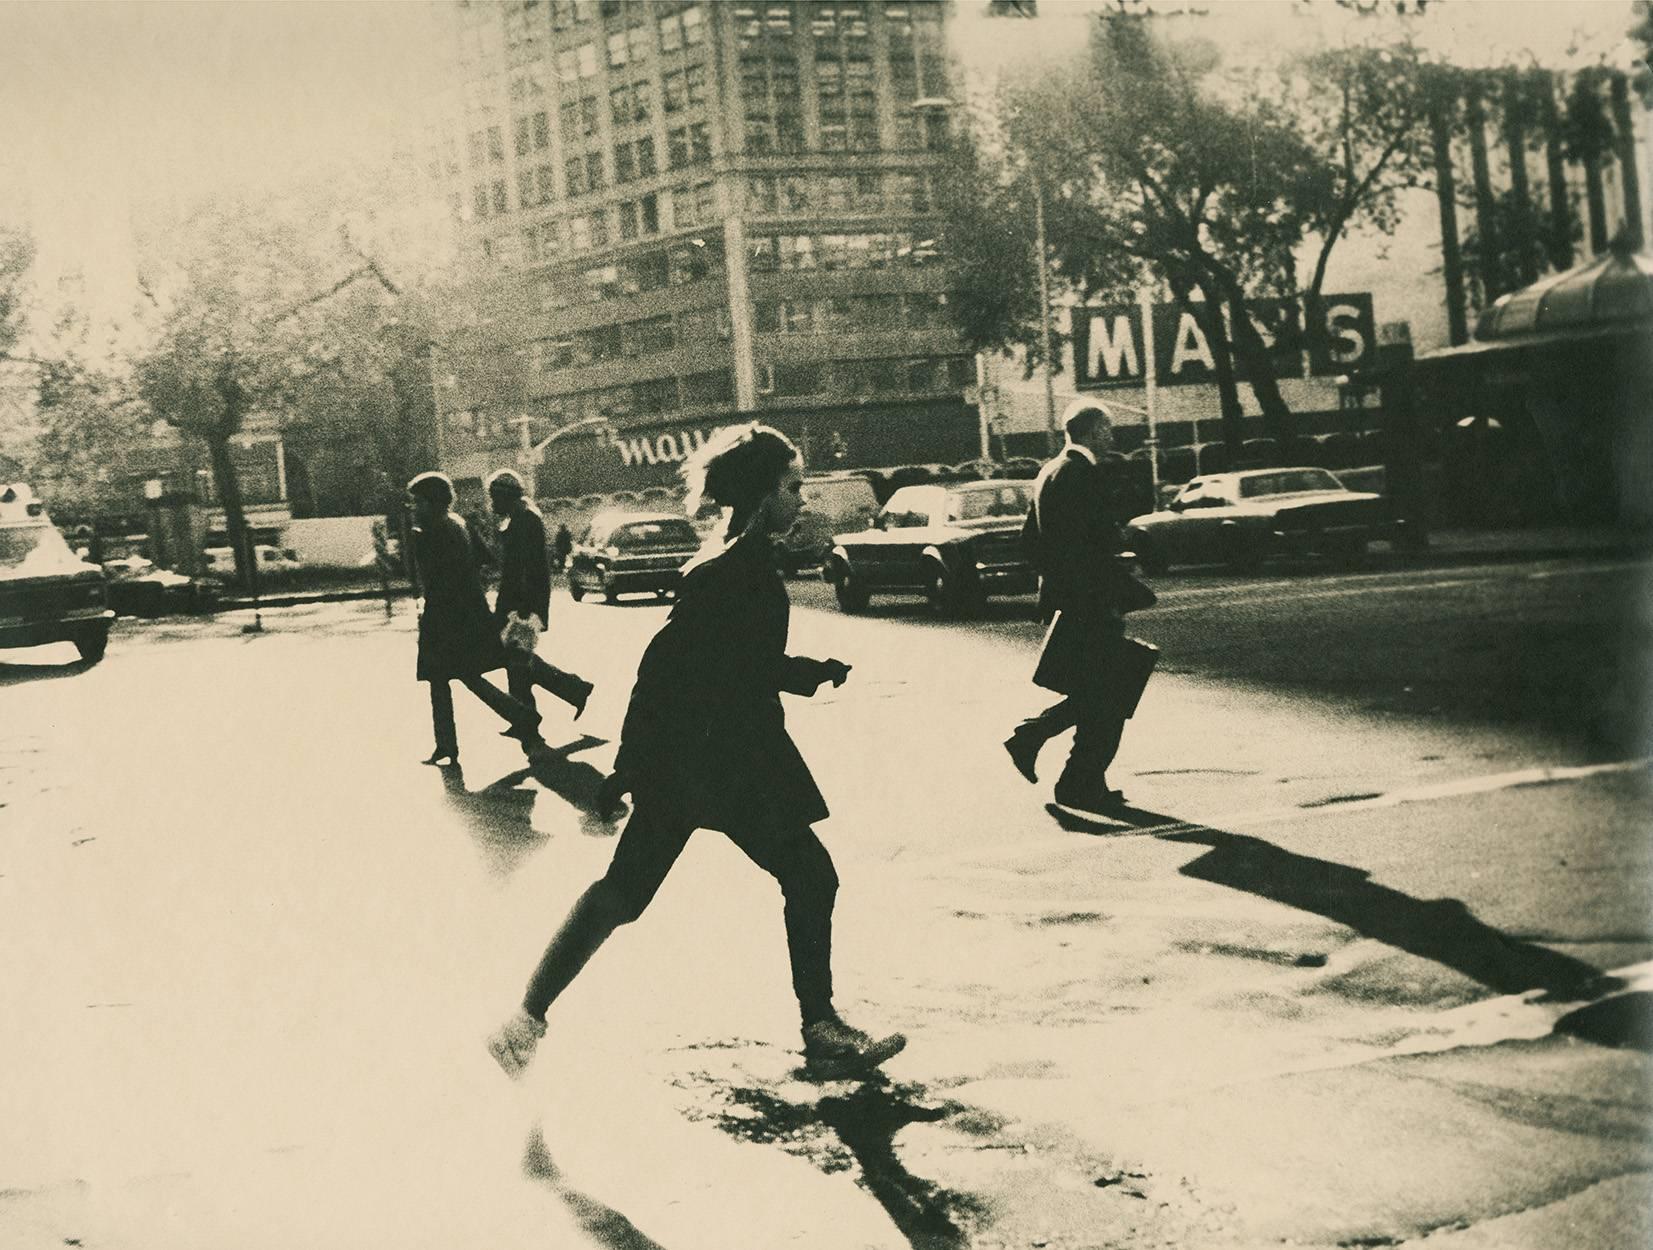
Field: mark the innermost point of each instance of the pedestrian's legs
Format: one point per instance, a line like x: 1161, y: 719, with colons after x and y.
x: 1095, y: 743
x: 648, y: 848
x: 520, y: 715
x: 1045, y: 725
x: 571, y: 688
x: 441, y: 716
x: 809, y: 885
x: 519, y: 680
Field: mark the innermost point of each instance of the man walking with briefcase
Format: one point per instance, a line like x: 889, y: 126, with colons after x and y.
x: 1073, y: 539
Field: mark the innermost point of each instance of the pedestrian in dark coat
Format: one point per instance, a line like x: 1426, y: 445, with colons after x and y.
x: 561, y: 546
x: 1073, y: 539
x: 705, y: 745
x: 525, y: 593
x: 457, y: 637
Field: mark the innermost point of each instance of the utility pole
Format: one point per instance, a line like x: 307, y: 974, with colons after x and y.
x: 1053, y: 427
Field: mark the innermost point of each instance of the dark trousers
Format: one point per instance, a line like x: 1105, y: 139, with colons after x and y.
x: 524, y: 672
x: 1096, y: 735
x: 513, y: 711
x: 648, y: 847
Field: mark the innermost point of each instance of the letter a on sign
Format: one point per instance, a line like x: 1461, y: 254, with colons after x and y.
x: 1191, y: 345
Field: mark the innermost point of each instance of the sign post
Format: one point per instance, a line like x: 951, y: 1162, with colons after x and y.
x: 1145, y: 299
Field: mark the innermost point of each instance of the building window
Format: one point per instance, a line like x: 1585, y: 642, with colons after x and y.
x: 647, y: 337
x: 574, y: 64
x: 688, y: 145
x: 702, y: 325
x: 496, y: 144
x: 628, y: 46
x: 587, y: 231
x: 706, y: 390
x: 694, y: 260
x: 760, y: 252
x: 524, y: 142
x: 541, y: 241
x: 631, y: 103
x: 479, y: 201
x: 602, y: 282
x: 634, y: 159
x: 526, y: 84
x: 639, y: 217
x: 477, y: 148
x: 684, y: 88
x: 693, y: 205
x: 763, y: 194
x: 682, y: 30
x: 502, y: 203
x: 910, y: 193
x: 579, y: 119
x: 784, y: 316
x: 525, y: 189
x: 544, y: 184
x: 795, y: 251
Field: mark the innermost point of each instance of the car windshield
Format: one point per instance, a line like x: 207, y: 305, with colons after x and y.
x: 1287, y: 482
x: 33, y: 548
x: 655, y: 534
x: 972, y: 505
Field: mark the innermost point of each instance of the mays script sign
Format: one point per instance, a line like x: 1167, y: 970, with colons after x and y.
x: 1337, y: 332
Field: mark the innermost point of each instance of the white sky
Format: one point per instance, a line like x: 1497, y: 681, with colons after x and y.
x: 104, y: 103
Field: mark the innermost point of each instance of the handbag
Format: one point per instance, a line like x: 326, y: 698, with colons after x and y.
x: 1091, y: 662
x: 520, y: 633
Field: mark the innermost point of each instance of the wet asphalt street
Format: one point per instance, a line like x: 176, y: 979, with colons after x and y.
x: 1365, y: 966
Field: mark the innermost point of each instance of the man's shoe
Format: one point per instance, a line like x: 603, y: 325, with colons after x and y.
x: 1024, y: 754
x: 525, y: 732
x: 1105, y: 804
x: 580, y: 699
x: 512, y: 1044
x: 611, y: 796
x: 834, y: 1051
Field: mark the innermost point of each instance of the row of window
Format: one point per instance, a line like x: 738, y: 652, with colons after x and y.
x: 627, y: 340
x: 585, y: 172
x: 765, y: 252
x: 629, y: 46
x: 773, y: 194
x: 849, y: 379
x: 678, y: 265
x: 850, y: 314
x: 712, y: 389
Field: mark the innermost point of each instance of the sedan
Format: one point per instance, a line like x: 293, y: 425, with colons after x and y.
x: 631, y: 551
x: 1241, y: 518
x: 955, y: 544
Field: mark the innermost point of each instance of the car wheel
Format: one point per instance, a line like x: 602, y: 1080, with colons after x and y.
x: 610, y: 595
x: 576, y: 592
x: 851, y: 595
x: 947, y: 596
x: 92, y: 644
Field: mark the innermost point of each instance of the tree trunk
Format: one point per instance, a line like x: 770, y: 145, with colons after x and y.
x: 235, y: 514
x: 1629, y: 175
x: 1596, y: 195
x: 1561, y: 212
x: 1486, y: 208
x: 1515, y: 141
x: 1446, y: 194
x: 1208, y: 312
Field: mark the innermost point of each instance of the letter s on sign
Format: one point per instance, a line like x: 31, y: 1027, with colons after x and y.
x: 1344, y: 342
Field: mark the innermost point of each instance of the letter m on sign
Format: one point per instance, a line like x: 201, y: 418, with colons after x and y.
x: 1105, y: 345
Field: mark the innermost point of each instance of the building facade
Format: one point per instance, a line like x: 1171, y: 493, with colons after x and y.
x: 688, y: 214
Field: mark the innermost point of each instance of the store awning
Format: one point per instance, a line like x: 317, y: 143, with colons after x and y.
x: 1613, y: 291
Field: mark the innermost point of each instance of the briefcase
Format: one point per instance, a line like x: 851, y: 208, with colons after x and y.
x: 1085, y: 661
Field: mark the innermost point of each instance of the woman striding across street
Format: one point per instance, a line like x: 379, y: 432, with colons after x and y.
x: 458, y: 640
x: 705, y: 746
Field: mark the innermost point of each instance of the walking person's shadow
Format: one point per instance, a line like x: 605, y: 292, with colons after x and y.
x: 499, y: 817
x: 602, y: 1222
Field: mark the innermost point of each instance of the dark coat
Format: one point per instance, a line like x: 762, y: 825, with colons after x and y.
x: 457, y: 635
x: 1072, y: 539
x: 524, y: 569
x: 705, y: 737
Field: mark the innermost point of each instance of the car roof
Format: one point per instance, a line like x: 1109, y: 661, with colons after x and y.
x: 613, y: 520
x: 1235, y: 475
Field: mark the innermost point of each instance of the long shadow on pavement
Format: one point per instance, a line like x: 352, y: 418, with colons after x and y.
x: 1442, y: 930
x: 602, y: 1222
x: 837, y: 1132
x: 17, y: 674
x: 499, y: 817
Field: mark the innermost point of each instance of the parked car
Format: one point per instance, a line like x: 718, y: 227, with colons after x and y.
x: 137, y: 587
x: 955, y: 543
x: 272, y: 560
x: 834, y: 503
x: 1241, y: 518
x: 47, y: 593
x: 623, y: 552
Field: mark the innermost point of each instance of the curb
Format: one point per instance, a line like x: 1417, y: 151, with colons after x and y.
x: 302, y: 600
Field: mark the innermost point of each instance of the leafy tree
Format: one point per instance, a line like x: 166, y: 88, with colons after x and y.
x: 16, y: 257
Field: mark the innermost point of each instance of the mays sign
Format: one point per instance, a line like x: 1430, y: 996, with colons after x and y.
x: 1336, y: 331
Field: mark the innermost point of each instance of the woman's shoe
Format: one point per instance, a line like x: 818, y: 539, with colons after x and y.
x: 512, y: 1044
x: 442, y: 757
x: 834, y: 1051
